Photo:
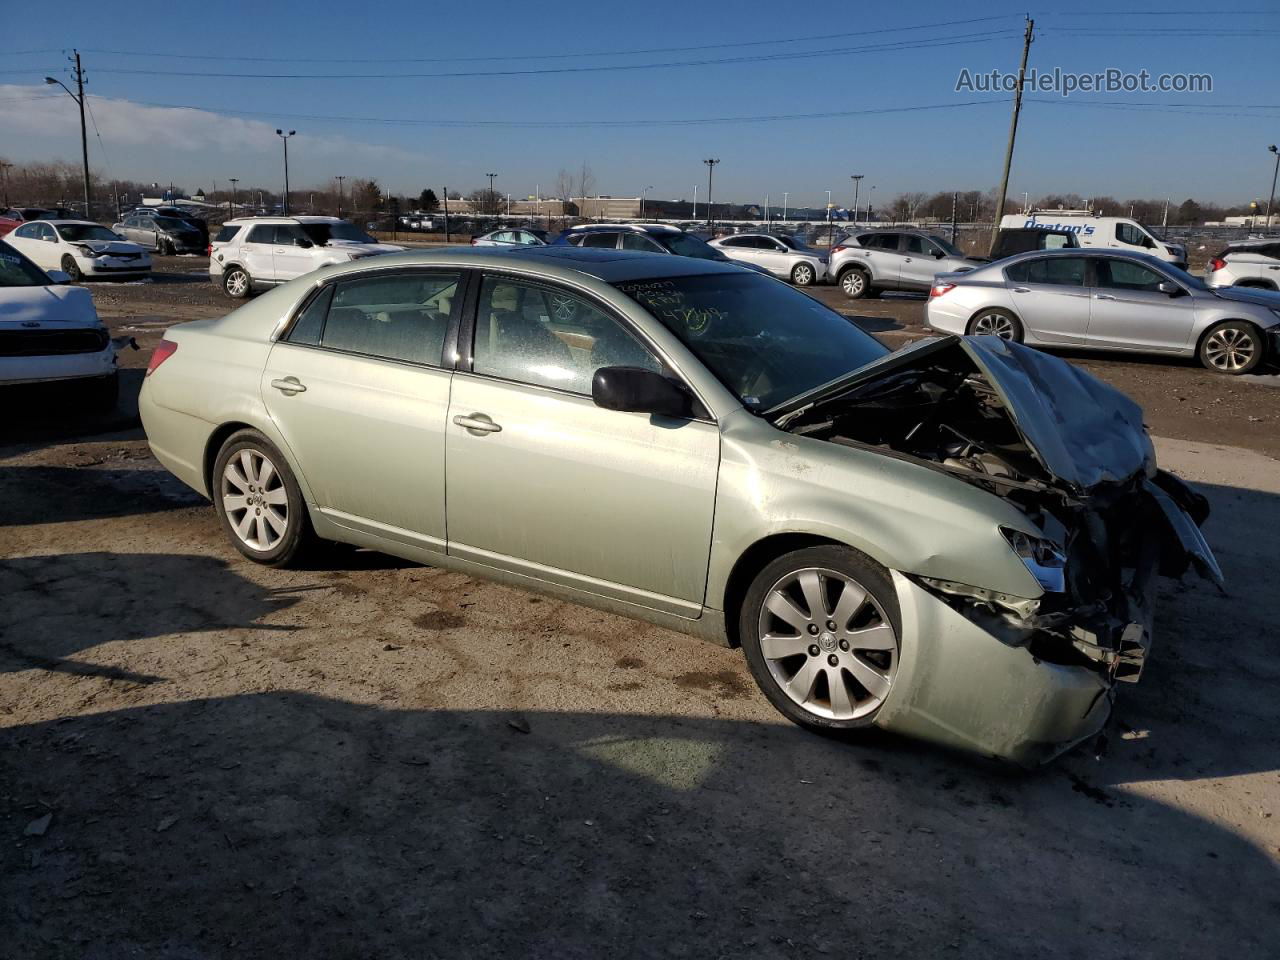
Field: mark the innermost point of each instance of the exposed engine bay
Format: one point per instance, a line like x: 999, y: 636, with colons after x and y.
x: 1069, y: 451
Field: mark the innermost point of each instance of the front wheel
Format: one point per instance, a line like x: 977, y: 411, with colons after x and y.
x: 71, y: 268
x: 803, y: 275
x: 820, y: 629
x: 236, y: 283
x: 259, y: 501
x: 1233, y: 347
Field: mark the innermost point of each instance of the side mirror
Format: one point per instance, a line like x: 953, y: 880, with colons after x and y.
x: 58, y: 277
x: 299, y: 242
x: 636, y: 390
x: 1169, y: 288
x: 938, y: 254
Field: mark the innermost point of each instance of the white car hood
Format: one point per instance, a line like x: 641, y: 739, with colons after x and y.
x: 109, y: 246
x: 368, y: 249
x: 62, y: 305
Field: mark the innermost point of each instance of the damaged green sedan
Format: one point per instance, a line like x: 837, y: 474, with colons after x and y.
x: 958, y: 541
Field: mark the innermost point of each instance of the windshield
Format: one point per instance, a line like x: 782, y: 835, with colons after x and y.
x: 685, y: 245
x: 1195, y: 283
x: 174, y: 224
x: 764, y: 341
x: 797, y: 244
x: 950, y: 249
x: 17, y: 271
x: 322, y: 233
x: 79, y: 232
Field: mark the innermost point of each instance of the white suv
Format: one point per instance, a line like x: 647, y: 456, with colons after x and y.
x: 1246, y: 263
x: 256, y: 252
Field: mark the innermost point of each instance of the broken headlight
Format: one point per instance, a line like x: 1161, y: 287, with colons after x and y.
x: 1043, y: 558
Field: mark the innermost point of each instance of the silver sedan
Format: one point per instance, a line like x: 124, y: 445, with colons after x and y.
x: 1110, y: 300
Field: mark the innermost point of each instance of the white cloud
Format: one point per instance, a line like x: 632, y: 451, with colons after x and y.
x: 133, y: 133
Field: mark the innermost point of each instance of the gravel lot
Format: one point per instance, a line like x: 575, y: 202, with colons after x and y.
x: 204, y: 758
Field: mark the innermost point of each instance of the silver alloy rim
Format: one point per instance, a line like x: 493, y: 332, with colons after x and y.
x: 994, y: 325
x: 1229, y: 349
x: 255, y: 500
x: 237, y: 282
x: 828, y: 644
x: 853, y: 282
x: 804, y: 275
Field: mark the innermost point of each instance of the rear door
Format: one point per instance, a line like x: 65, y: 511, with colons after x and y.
x: 1051, y: 298
x: 255, y: 251
x: 883, y: 257
x: 1129, y: 313
x: 358, y: 390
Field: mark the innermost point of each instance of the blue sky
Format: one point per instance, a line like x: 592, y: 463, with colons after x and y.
x: 1216, y: 151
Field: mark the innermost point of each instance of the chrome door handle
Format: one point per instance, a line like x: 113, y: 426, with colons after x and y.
x: 289, y: 386
x: 477, y: 424
x: 1103, y: 296
x: 1021, y: 289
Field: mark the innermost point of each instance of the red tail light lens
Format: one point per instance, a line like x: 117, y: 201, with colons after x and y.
x: 208, y: 250
x: 938, y: 289
x: 838, y: 247
x: 163, y: 351
x: 1217, y: 263
x: 473, y: 241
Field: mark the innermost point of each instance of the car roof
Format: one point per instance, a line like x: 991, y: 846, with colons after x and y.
x: 639, y: 227
x: 560, y: 262
x: 67, y: 223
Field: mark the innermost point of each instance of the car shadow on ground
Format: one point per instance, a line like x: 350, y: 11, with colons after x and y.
x: 285, y: 824
x: 873, y: 324
x: 99, y: 486
x: 59, y: 411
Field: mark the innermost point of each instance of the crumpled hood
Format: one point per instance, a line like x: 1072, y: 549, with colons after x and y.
x: 1265, y: 298
x: 368, y: 249
x: 61, y: 305
x: 108, y: 246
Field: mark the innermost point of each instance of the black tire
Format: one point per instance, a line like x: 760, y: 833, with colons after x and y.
x: 103, y: 393
x: 236, y: 283
x: 1008, y: 325
x: 855, y: 283
x: 298, y: 538
x: 165, y: 248
x: 1234, y: 347
x: 71, y: 268
x: 844, y: 562
x: 803, y: 275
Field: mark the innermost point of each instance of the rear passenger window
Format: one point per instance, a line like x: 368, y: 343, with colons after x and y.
x: 398, y: 317
x: 262, y: 233
x: 606, y: 240
x: 224, y: 235
x: 306, y: 329
x: 638, y: 241
x: 1054, y: 271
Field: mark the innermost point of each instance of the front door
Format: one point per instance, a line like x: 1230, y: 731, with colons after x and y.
x: 255, y: 252
x: 357, y: 390
x: 289, y: 259
x: 1130, y: 313
x: 544, y: 483
x: 1050, y: 297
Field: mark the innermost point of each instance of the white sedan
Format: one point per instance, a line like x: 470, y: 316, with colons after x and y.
x: 80, y: 249
x: 784, y: 257
x: 50, y: 332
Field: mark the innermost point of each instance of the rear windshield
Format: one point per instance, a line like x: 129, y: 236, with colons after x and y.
x: 173, y: 223
x: 17, y: 271
x: 948, y: 247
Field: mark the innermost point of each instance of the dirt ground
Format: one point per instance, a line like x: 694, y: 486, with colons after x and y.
x: 203, y: 758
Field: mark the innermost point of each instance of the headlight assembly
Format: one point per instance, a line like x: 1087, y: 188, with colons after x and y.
x: 1043, y: 558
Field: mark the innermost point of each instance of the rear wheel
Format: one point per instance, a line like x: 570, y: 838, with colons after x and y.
x: 259, y: 501
x: 71, y: 268
x: 803, y: 274
x: 1233, y: 347
x: 236, y: 283
x: 855, y: 284
x: 996, y: 323
x: 820, y: 630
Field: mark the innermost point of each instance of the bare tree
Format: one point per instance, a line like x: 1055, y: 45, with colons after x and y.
x: 586, y: 183
x: 486, y: 201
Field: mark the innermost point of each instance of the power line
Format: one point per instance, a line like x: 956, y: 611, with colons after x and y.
x: 834, y: 51
x: 554, y: 56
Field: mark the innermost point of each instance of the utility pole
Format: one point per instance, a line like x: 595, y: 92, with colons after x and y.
x: 1013, y: 130
x: 857, y: 184
x: 955, y: 230
x: 1272, y: 199
x: 1164, y: 221
x: 711, y: 165
x: 231, y: 204
x: 491, y: 201
x: 78, y: 97
x: 285, y: 137
x: 785, y: 194
x: 340, y: 178
x: 694, y: 216
x: 445, y: 197
x: 4, y: 181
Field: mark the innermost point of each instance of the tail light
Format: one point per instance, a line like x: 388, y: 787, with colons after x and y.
x: 208, y: 250
x: 1217, y: 263
x: 938, y: 289
x: 163, y: 351
x: 838, y: 247
x: 473, y: 241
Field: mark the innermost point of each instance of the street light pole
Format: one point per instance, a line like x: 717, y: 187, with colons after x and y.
x: 711, y: 165
x: 643, y: 194
x: 857, y: 184
x: 695, y: 203
x: 1272, y: 198
x: 785, y: 194
x: 231, y: 210
x: 84, y: 137
x: 340, y: 178
x: 285, y: 138
x: 491, y: 201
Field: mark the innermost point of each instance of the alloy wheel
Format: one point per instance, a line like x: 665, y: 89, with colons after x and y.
x: 1229, y: 349
x: 853, y: 282
x: 255, y: 500
x: 237, y: 283
x: 803, y: 275
x: 828, y: 644
x: 994, y: 325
